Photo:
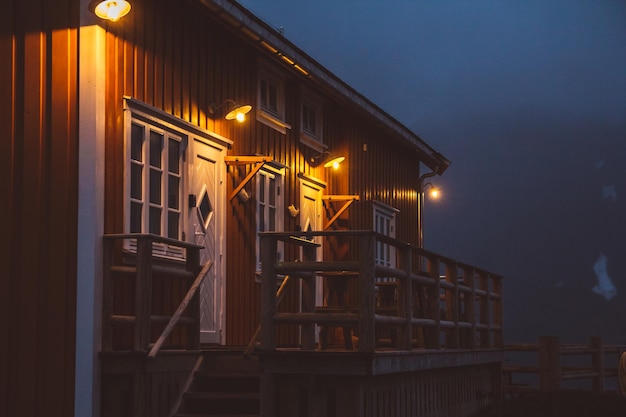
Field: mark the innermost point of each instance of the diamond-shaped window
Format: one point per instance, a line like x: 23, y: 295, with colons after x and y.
x: 206, y: 208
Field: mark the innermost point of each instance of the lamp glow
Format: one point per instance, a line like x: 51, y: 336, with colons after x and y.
x: 334, y: 162
x: 238, y: 113
x: 434, y: 193
x: 112, y: 10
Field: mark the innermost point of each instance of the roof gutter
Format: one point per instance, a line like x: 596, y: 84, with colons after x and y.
x: 275, y: 43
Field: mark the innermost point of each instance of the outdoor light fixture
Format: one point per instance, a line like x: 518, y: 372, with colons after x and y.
x: 334, y: 162
x: 328, y: 159
x: 234, y: 110
x: 434, y: 192
x: 111, y: 10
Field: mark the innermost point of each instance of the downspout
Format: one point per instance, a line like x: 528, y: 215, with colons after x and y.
x: 420, y: 205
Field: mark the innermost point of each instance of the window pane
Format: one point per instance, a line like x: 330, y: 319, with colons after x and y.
x: 173, y: 192
x: 155, y: 220
x: 136, y: 142
x: 155, y: 187
x: 272, y: 191
x: 272, y: 219
x: 264, y: 93
x: 172, y: 224
x: 273, y: 98
x: 156, y: 147
x: 173, y: 156
x: 205, y: 207
x: 261, y: 189
x: 135, y: 217
x: 136, y: 180
x: 262, y: 220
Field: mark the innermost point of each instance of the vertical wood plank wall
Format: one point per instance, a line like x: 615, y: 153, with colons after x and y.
x: 181, y: 59
x: 38, y: 213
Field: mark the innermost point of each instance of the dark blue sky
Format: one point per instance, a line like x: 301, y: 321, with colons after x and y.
x: 524, y: 97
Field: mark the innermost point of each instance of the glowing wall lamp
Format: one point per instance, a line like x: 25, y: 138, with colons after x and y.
x: 434, y: 192
x: 328, y: 159
x: 334, y: 162
x: 111, y: 10
x: 234, y: 111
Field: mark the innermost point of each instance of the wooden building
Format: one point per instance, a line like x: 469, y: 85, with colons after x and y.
x: 131, y: 190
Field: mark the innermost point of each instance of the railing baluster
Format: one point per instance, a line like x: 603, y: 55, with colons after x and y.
x: 405, y: 299
x: 434, y: 311
x: 269, y: 250
x: 367, y: 342
x: 308, y: 299
x: 143, y: 293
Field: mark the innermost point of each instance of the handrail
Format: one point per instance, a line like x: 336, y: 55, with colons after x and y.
x: 119, y: 275
x: 471, y: 296
x: 180, y: 310
x: 551, y: 372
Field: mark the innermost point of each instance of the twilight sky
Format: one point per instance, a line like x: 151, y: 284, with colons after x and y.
x: 527, y: 98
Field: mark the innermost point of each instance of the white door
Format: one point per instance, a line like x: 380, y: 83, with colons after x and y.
x: 206, y: 222
x: 311, y: 219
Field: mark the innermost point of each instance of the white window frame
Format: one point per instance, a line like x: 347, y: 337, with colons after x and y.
x: 272, y: 117
x: 312, y: 138
x: 262, y: 177
x: 161, y: 126
x: 384, y: 222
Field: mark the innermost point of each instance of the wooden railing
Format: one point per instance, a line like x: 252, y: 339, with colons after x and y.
x: 548, y: 367
x: 436, y: 301
x: 130, y: 285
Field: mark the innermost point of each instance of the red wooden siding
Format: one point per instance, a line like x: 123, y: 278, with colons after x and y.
x: 38, y: 216
x: 182, y: 59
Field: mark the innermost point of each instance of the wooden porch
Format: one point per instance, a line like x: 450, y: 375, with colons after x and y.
x: 422, y: 336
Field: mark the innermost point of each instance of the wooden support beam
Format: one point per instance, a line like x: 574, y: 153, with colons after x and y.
x: 348, y: 199
x: 259, y: 161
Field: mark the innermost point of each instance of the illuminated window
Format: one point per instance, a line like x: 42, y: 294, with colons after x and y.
x: 271, y: 99
x: 270, y: 208
x: 155, y: 181
x: 311, y: 122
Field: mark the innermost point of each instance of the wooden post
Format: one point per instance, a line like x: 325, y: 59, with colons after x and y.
x: 143, y: 293
x: 485, y: 313
x: 193, y: 265
x: 268, y: 292
x: 497, y: 311
x: 308, y: 299
x: 367, y: 325
x: 549, y: 363
x: 268, y: 395
x: 405, y: 300
x: 470, y: 306
x: 434, y: 310
x: 597, y: 362
x: 107, y: 295
x: 452, y: 306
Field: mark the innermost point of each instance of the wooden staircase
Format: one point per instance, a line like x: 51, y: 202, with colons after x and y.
x: 225, y: 384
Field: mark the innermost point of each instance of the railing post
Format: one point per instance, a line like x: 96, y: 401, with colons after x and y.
x: 497, y: 311
x: 107, y: 294
x: 308, y: 299
x: 549, y: 363
x: 470, y: 306
x: 193, y: 265
x: 143, y: 293
x: 268, y: 292
x: 405, y: 299
x: 367, y: 325
x: 485, y: 313
x: 597, y: 363
x: 434, y: 309
x: 452, y: 306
